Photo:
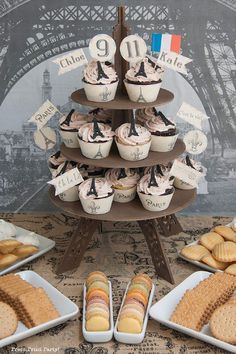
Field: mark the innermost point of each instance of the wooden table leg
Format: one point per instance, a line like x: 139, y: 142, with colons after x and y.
x: 169, y: 225
x: 153, y: 238
x: 78, y: 245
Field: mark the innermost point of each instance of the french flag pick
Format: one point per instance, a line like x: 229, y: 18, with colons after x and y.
x: 168, y: 42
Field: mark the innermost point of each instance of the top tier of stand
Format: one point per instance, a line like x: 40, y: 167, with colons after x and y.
x: 121, y: 101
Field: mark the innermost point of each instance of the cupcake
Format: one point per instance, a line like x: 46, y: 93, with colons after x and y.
x: 100, y: 81
x: 155, y: 192
x: 55, y: 161
x: 143, y: 81
x: 124, y: 181
x: 95, y: 139
x: 161, y: 171
x: 102, y: 115
x: 133, y: 141
x: 196, y: 165
x: 69, y: 126
x: 144, y: 114
x: 71, y: 194
x: 96, y: 195
x: 163, y: 131
x: 88, y: 171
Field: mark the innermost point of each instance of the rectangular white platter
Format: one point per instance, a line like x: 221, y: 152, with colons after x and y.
x: 198, y: 263
x: 45, y: 245
x: 103, y: 336
x: 66, y: 308
x: 133, y: 338
x: 163, y: 309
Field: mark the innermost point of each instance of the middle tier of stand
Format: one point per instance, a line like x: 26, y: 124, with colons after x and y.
x: 115, y: 161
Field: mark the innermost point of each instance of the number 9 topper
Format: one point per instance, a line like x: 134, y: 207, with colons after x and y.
x: 133, y: 48
x: 102, y: 47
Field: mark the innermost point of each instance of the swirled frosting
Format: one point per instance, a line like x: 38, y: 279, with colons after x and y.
x: 163, y: 187
x: 64, y: 167
x: 56, y: 159
x: 129, y: 181
x: 151, y: 73
x: 75, y: 121
x: 157, y: 126
x: 7, y: 229
x: 103, y: 189
x: 90, y: 171
x: 161, y: 171
x: 102, y: 115
x: 91, y: 74
x: 87, y: 130
x: 122, y: 133
x: 143, y: 114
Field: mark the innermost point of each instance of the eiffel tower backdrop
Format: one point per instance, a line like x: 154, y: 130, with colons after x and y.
x: 34, y: 32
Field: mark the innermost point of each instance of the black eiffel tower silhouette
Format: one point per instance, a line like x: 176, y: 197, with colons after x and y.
x: 141, y: 98
x: 47, y: 140
x: 153, y: 181
x: 92, y: 190
x: 99, y: 153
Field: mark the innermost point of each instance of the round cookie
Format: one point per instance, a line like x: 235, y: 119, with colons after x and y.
x: 226, y: 232
x: 223, y: 323
x: 225, y: 252
x: 97, y: 324
x: 139, y: 288
x: 98, y: 293
x: 129, y: 325
x: 96, y: 276
x: 195, y: 252
x: 137, y: 296
x: 97, y: 312
x: 7, y: 246
x: 231, y: 269
x: 8, y: 320
x: 143, y: 278
x: 132, y: 313
x: 7, y: 259
x: 98, y: 285
x: 210, y: 239
x: 212, y: 262
x: 25, y: 251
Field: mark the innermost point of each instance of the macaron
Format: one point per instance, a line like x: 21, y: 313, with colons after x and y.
x: 96, y: 306
x: 132, y: 313
x: 136, y: 306
x: 139, y: 288
x: 97, y: 312
x: 143, y: 278
x: 96, y: 276
x: 99, y: 285
x: 96, y: 300
x: 138, y: 296
x: 133, y: 301
x: 129, y: 325
x: 97, y: 324
x: 98, y: 293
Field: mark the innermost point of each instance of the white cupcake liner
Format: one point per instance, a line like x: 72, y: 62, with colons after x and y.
x: 71, y: 195
x: 178, y: 183
x: 70, y: 139
x: 155, y: 202
x: 142, y: 93
x: 97, y: 206
x: 124, y: 195
x: 133, y: 152
x: 100, y: 93
x: 95, y: 150
x: 163, y: 143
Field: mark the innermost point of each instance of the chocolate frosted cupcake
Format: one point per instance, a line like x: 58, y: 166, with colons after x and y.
x: 69, y: 126
x: 161, y: 171
x: 100, y: 81
x: 95, y: 139
x: 89, y: 171
x: 163, y: 130
x: 96, y: 195
x: 143, y: 81
x: 71, y: 194
x: 102, y: 115
x: 142, y: 115
x: 155, y: 192
x: 124, y: 181
x: 196, y: 165
x: 55, y: 161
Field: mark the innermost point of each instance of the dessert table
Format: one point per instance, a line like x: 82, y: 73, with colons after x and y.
x: 120, y: 251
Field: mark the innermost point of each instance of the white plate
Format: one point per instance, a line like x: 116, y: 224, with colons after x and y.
x: 45, y: 245
x: 98, y: 337
x: 133, y: 338
x: 65, y: 307
x: 198, y: 263
x: 163, y: 309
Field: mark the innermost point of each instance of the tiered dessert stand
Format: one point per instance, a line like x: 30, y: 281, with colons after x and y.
x: 153, y: 224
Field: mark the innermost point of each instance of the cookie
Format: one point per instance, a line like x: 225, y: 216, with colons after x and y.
x: 96, y: 276
x: 139, y: 288
x: 195, y: 252
x: 210, y: 239
x: 8, y: 320
x: 7, y: 246
x: 232, y: 300
x: 129, y: 325
x: 97, y: 324
x: 227, y: 232
x: 143, y: 279
x: 98, y: 285
x: 223, y: 323
x: 7, y: 259
x: 225, y: 252
x: 212, y: 262
x: 25, y: 251
x: 231, y: 269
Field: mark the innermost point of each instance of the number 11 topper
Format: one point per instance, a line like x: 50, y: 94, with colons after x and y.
x: 133, y: 48
x: 102, y: 47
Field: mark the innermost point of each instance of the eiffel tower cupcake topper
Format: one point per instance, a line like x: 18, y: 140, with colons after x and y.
x: 164, y: 119
x: 188, y: 162
x: 152, y: 181
x: 101, y: 73
x: 63, y: 170
x: 122, y: 174
x: 57, y: 154
x: 92, y: 190
x: 141, y: 71
x: 158, y: 169
x: 68, y: 117
x: 96, y: 129
x: 132, y: 130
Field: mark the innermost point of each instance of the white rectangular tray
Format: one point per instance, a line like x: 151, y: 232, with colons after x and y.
x: 163, y: 309
x: 65, y: 307
x: 133, y: 338
x: 98, y: 337
x: 45, y: 245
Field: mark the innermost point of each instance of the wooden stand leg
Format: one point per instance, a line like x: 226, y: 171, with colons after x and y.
x: 78, y: 245
x: 169, y: 225
x: 153, y: 238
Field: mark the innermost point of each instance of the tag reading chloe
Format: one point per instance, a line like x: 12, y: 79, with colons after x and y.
x: 191, y: 115
x: 66, y: 181
x: 173, y: 61
x: 43, y: 114
x: 185, y: 173
x: 71, y: 61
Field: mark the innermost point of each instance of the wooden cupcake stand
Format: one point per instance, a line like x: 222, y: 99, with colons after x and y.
x: 154, y: 225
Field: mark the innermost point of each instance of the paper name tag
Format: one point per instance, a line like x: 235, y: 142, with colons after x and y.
x: 185, y: 173
x: 66, y: 181
x: 71, y: 61
x: 173, y: 61
x: 191, y: 115
x: 43, y: 114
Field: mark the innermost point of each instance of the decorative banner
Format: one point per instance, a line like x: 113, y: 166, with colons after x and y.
x: 169, y: 42
x: 45, y: 138
x: 66, y: 181
x: 195, y: 141
x: 102, y: 47
x: 185, y: 173
x: 71, y: 61
x: 133, y: 48
x: 191, y: 115
x: 43, y: 114
x: 173, y: 61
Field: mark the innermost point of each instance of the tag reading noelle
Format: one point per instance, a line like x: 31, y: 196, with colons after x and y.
x: 66, y: 181
x: 191, y: 115
x: 43, y: 114
x: 71, y: 61
x: 185, y: 173
x: 173, y: 61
